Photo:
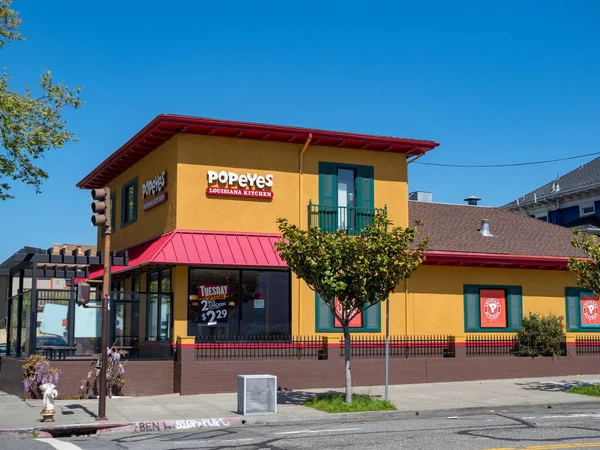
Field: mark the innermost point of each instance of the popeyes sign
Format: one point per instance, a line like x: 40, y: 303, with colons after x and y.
x: 154, y: 188
x: 232, y: 184
x: 492, y: 308
x: 590, y: 311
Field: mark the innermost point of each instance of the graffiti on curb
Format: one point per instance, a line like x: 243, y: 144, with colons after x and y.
x: 172, y: 425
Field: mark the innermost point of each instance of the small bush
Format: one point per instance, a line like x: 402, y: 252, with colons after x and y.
x: 90, y: 386
x: 541, y: 336
x: 335, y: 403
x: 36, y: 372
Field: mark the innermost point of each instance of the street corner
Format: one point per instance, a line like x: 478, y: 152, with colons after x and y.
x: 184, y: 424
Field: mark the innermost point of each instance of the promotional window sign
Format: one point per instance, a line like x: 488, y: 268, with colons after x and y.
x: 492, y: 308
x: 590, y: 311
x: 213, y: 304
x: 355, y: 322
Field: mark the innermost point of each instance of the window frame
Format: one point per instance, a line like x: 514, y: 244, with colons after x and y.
x: 543, y: 217
x: 587, y: 205
x: 125, y: 221
x: 333, y: 329
x: 159, y: 295
x: 579, y: 328
x: 510, y: 298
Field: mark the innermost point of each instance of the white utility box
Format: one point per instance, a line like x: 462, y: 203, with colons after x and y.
x: 257, y: 394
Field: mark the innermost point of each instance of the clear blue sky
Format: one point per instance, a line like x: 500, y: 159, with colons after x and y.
x: 493, y: 82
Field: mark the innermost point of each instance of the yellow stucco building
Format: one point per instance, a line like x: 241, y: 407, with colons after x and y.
x: 195, y: 203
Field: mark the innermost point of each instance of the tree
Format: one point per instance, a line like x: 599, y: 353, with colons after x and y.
x: 29, y: 124
x: 356, y: 272
x: 586, y: 270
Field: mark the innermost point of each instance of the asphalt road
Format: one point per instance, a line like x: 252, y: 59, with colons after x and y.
x: 536, y: 429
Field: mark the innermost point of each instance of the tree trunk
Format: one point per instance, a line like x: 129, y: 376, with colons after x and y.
x: 347, y: 361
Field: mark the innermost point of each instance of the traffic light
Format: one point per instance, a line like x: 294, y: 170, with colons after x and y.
x: 83, y: 294
x: 101, y: 207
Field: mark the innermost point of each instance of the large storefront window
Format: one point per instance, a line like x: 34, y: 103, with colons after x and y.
x: 231, y: 302
x: 158, y: 309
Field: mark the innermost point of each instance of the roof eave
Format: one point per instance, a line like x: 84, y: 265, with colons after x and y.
x: 497, y: 260
x: 163, y: 127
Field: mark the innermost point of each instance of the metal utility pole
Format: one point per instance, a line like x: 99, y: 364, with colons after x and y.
x: 387, y: 347
x: 102, y: 208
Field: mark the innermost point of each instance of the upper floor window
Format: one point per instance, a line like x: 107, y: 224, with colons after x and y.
x: 129, y: 202
x: 346, y: 197
x: 542, y: 217
x: 587, y: 210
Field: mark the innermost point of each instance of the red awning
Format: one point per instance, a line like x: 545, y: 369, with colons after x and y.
x: 208, y: 248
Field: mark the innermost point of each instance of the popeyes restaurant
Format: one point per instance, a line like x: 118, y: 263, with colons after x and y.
x: 202, y: 295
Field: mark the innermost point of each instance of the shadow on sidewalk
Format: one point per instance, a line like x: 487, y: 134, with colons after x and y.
x: 552, y: 386
x: 298, y: 397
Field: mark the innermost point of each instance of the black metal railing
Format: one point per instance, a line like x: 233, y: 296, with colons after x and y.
x: 587, y: 345
x: 261, y: 346
x: 485, y: 345
x: 333, y: 218
x: 400, y: 346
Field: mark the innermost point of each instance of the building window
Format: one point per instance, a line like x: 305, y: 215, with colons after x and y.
x: 346, y: 197
x: 542, y: 217
x: 582, y: 310
x: 159, y: 306
x: 129, y: 202
x: 493, y: 308
x: 232, y: 302
x: 368, y: 320
x: 587, y: 210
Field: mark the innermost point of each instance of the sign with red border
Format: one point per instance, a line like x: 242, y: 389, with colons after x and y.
x: 492, y: 304
x: 590, y: 311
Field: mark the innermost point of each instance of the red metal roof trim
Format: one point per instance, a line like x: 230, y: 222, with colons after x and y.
x: 496, y: 260
x: 165, y: 126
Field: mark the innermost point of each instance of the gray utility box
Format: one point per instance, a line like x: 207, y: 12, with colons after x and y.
x: 257, y: 394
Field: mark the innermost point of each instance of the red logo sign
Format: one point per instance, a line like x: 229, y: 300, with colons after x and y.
x: 493, y: 308
x: 590, y: 311
x: 355, y: 322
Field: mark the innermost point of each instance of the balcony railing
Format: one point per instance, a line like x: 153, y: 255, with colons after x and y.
x: 334, y: 218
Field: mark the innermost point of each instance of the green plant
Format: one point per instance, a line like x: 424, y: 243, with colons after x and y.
x: 36, y: 372
x: 335, y: 403
x: 90, y: 386
x: 541, y: 336
x: 592, y: 390
x: 587, y: 271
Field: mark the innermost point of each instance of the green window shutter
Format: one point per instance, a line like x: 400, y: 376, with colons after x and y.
x: 365, y: 187
x: 323, y: 317
x: 328, y: 196
x: 472, y: 308
x: 372, y: 318
x: 572, y: 299
x: 514, y: 297
x: 365, y: 200
x: 113, y: 211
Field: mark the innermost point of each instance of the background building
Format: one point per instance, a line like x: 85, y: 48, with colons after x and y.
x: 572, y: 200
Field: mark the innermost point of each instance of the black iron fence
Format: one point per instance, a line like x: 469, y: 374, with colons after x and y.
x: 485, y: 345
x: 587, y: 345
x: 400, y: 347
x: 261, y: 346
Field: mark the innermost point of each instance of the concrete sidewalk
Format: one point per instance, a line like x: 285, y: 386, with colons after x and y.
x: 492, y: 395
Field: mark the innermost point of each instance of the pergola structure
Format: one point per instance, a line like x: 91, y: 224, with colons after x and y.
x: 34, y: 263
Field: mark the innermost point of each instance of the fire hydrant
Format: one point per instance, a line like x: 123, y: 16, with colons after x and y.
x: 50, y: 393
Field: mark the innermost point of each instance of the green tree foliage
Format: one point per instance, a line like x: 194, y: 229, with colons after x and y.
x: 586, y: 270
x: 541, y: 336
x: 30, y: 124
x: 359, y: 271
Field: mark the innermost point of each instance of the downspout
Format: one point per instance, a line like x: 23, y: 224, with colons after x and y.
x: 300, y: 207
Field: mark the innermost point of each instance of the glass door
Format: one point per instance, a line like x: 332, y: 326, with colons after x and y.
x: 346, y: 195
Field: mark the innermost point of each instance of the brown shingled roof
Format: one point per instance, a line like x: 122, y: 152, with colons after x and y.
x: 455, y: 228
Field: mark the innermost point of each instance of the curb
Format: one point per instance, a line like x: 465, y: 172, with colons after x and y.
x: 131, y: 427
